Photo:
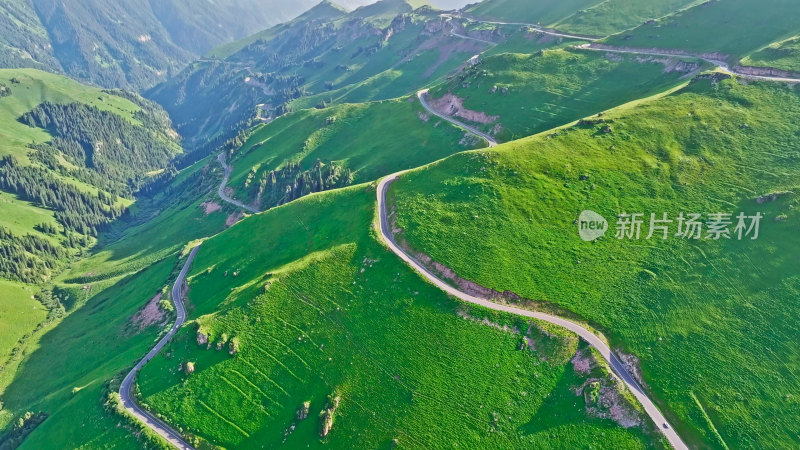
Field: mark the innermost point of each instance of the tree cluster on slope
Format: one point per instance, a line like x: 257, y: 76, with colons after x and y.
x: 106, y: 142
x: 28, y: 258
x: 290, y: 182
x: 75, y: 210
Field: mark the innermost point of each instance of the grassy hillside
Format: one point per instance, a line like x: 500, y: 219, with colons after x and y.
x: 591, y: 17
x: 33, y: 87
x: 19, y: 314
x: 613, y: 16
x: 320, y: 310
x: 784, y: 55
x: 733, y: 28
x: 369, y: 140
x: 520, y: 95
x: 101, y: 334
x: 544, y: 12
x: 711, y: 322
x: 54, y: 130
x: 60, y: 184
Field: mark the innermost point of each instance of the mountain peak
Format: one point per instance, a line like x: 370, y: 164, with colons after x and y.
x: 384, y: 8
x: 326, y: 9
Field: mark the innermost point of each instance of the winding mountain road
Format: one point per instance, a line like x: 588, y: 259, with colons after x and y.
x: 594, y: 46
x: 720, y: 64
x: 153, y: 422
x: 225, y: 178
x: 538, y: 28
x: 595, y: 341
x: 423, y: 99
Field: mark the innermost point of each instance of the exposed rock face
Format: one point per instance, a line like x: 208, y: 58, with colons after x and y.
x: 202, y: 339
x: 583, y: 362
x: 302, y: 413
x: 771, y: 197
x: 631, y: 363
x: 451, y: 105
x: 715, y: 77
x: 233, y: 346
x: 604, y: 400
x: 326, y: 417
x: 434, y: 26
x: 766, y: 72
x: 151, y: 314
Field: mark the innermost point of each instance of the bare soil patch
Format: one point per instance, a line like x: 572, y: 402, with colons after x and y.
x: 210, y: 207
x: 452, y: 105
x: 151, y: 314
x: 233, y: 218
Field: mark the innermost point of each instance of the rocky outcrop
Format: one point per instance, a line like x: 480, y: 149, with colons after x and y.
x: 326, y: 417
x: 302, y: 413
x: 766, y: 72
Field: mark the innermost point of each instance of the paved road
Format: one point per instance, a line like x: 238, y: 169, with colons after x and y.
x: 224, y: 184
x: 538, y: 28
x: 595, y: 47
x: 721, y: 64
x: 128, y: 402
x: 423, y: 98
x: 483, y: 41
x: 592, y: 339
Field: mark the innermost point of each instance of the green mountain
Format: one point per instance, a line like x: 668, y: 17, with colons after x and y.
x: 783, y: 55
x: 710, y: 321
x: 511, y: 95
x: 322, y: 315
x: 130, y: 44
x: 730, y: 29
x: 72, y: 158
x: 591, y: 17
x: 303, y: 327
x: 321, y: 51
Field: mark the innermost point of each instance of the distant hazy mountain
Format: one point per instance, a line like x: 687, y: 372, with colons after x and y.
x: 442, y: 4
x: 128, y: 43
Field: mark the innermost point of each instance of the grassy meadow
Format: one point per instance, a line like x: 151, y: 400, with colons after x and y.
x: 99, y: 338
x: 301, y: 303
x: 713, y: 323
x: 588, y: 17
x: 66, y: 367
x: 28, y: 89
x: 732, y: 28
x: 525, y: 94
x: 19, y: 314
x: 784, y: 55
x: 32, y: 87
x: 613, y: 16
x: 371, y: 139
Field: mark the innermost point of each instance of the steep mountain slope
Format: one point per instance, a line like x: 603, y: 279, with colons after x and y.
x: 71, y: 159
x: 318, y: 336
x: 592, y: 17
x: 113, y: 323
x: 314, y: 150
x: 23, y: 39
x: 710, y: 321
x: 512, y: 95
x: 322, y: 50
x: 783, y: 55
x: 325, y: 57
x: 730, y: 29
x: 129, y: 44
